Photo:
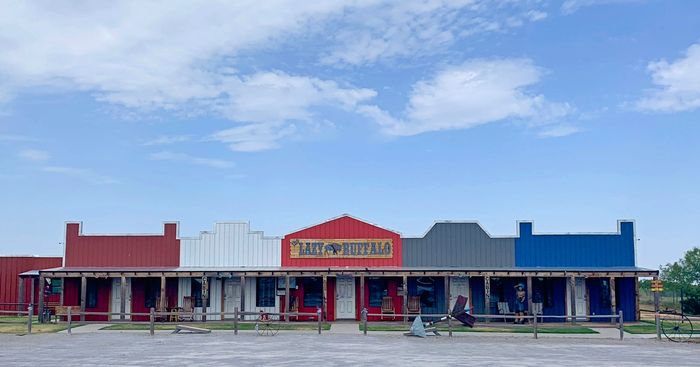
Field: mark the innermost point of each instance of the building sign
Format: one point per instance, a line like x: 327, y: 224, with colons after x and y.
x: 342, y: 248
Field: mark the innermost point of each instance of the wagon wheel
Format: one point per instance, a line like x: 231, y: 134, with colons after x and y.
x: 267, y: 325
x: 677, y: 328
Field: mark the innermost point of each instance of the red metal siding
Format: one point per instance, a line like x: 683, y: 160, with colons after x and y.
x: 11, y: 267
x: 122, y: 251
x: 344, y: 227
x: 71, y: 297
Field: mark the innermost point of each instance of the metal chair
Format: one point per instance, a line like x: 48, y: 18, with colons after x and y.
x: 504, y: 309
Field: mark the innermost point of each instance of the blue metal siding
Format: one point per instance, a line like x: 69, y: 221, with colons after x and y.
x: 552, y: 293
x: 575, y: 250
x: 625, y: 298
x: 599, y: 298
x: 476, y: 286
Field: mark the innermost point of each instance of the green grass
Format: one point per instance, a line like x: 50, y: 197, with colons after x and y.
x: 217, y: 326
x: 21, y: 328
x: 491, y: 329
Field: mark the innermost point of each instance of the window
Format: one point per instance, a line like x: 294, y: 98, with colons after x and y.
x: 196, y: 292
x: 313, y: 292
x: 425, y: 287
x: 151, y: 292
x: 91, y: 294
x: 56, y: 285
x: 377, y: 290
x: 265, y: 292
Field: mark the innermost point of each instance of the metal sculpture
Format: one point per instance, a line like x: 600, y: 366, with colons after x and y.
x: 459, y: 313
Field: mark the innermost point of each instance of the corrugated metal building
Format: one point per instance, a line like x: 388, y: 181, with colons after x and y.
x: 16, y: 292
x: 345, y: 264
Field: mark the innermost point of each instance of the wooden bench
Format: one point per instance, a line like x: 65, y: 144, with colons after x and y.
x: 63, y: 311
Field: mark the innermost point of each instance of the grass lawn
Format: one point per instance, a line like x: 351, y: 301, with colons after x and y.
x: 216, y: 326
x: 492, y: 329
x: 18, y: 325
x: 644, y: 327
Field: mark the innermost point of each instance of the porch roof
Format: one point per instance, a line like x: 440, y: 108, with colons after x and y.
x: 227, y: 271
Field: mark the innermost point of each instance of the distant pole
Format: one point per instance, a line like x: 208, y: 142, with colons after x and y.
x: 70, y: 320
x: 30, y: 313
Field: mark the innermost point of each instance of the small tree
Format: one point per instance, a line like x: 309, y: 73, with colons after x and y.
x: 684, y: 276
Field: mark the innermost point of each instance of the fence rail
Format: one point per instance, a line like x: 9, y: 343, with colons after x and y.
x: 239, y: 317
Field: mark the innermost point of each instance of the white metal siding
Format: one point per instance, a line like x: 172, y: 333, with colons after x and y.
x: 184, y: 289
x: 250, y: 299
x: 230, y: 244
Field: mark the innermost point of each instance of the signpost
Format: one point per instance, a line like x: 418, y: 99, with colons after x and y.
x: 657, y: 286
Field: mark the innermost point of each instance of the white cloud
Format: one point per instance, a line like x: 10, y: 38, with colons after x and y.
x: 81, y: 173
x: 181, y: 157
x: 557, y: 131
x: 388, y: 30
x: 571, y: 6
x: 163, y: 140
x: 254, y: 137
x: 677, y: 84
x: 34, y: 155
x: 474, y: 93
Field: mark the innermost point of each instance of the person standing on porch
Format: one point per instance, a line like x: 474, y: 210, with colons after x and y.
x: 519, y: 303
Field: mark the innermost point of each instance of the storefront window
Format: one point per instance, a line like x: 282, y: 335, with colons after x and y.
x: 377, y: 290
x: 56, y: 285
x: 265, y: 292
x: 313, y: 292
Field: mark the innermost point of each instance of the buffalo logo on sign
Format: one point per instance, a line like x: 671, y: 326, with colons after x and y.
x: 342, y: 248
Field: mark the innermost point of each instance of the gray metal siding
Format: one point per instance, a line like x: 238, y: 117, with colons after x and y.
x: 459, y: 245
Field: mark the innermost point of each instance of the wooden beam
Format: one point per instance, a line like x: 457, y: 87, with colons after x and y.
x: 20, y: 299
x: 122, y: 296
x: 223, y: 304
x: 362, y: 292
x: 243, y: 292
x: 637, y: 311
x: 487, y: 296
x: 61, y: 300
x: 405, y: 297
x: 162, y: 292
x: 42, y: 287
x: 613, y: 300
x: 83, y: 296
x: 529, y: 295
x: 447, y: 294
x: 572, y: 298
x: 286, y: 297
x: 325, y: 297
x: 32, y: 291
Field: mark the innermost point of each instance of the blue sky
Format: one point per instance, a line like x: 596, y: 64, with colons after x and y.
x: 570, y: 113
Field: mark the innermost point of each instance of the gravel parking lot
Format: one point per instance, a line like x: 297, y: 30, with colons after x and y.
x: 301, y: 349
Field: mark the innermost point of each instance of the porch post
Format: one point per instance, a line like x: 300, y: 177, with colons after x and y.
x: 637, y: 311
x: 63, y: 287
x: 487, y: 296
x: 122, y: 300
x: 325, y: 297
x: 286, y: 297
x: 529, y: 296
x: 20, y: 299
x: 447, y: 293
x: 613, y: 301
x: 405, y: 298
x: 32, y: 291
x: 572, y: 298
x: 243, y: 292
x: 83, y: 295
x: 362, y: 291
x: 162, y: 304
x: 205, y: 297
x: 42, y: 286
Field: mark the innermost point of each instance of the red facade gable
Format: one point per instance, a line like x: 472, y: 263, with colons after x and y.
x: 340, y: 242
x: 161, y: 250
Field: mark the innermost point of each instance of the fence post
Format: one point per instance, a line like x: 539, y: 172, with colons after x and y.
x: 30, y: 314
x: 658, y: 325
x: 621, y: 325
x: 151, y: 321
x: 235, y: 321
x: 318, y: 315
x: 364, y: 320
x: 449, y: 325
x: 70, y: 320
x: 534, y: 324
